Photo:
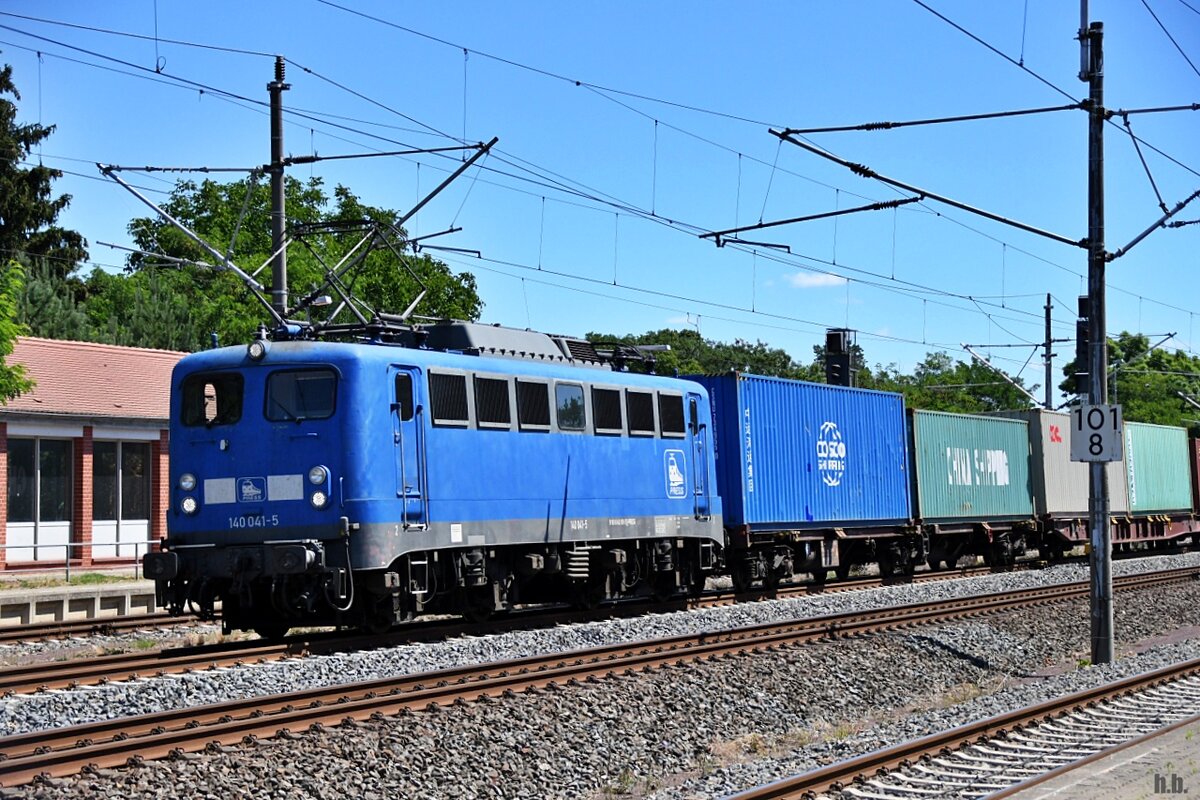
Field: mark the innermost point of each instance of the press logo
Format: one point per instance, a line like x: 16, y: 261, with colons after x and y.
x: 831, y: 454
x: 673, y: 466
x: 251, y: 490
x: 1169, y: 784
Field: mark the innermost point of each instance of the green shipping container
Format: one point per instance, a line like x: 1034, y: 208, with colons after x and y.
x: 1157, y: 468
x: 971, y: 468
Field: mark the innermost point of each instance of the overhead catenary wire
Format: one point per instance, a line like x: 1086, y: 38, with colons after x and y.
x: 867, y: 172
x: 523, y: 178
x: 1042, y: 79
x: 1172, y: 38
x: 558, y: 186
x: 887, y: 126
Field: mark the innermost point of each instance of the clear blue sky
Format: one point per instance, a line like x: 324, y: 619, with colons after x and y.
x: 606, y: 183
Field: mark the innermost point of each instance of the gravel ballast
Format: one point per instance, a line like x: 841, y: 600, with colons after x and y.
x: 702, y: 730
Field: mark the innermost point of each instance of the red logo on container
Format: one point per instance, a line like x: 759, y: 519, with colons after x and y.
x: 1055, y: 436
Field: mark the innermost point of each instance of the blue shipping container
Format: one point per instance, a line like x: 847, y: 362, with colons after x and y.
x: 793, y: 455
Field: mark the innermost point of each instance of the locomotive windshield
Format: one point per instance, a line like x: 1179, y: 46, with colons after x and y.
x: 214, y: 399
x: 298, y: 395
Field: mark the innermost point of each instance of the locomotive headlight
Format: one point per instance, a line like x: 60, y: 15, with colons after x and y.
x: 319, y: 499
x: 187, y: 481
x: 318, y: 475
x: 189, y: 505
x: 257, y: 350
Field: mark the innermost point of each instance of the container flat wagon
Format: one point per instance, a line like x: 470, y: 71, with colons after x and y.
x: 1159, y: 481
x: 811, y: 476
x: 972, y: 492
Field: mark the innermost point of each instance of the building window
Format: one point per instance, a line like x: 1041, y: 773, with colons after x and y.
x: 124, y: 492
x: 120, y: 499
x: 22, y: 480
x: 533, y: 405
x: 39, y: 498
x: 491, y: 403
x: 640, y: 409
x: 448, y: 399
x: 606, y: 410
x: 104, y: 480
x: 670, y: 415
x: 568, y: 399
x: 54, y: 480
x: 297, y: 395
x: 211, y: 399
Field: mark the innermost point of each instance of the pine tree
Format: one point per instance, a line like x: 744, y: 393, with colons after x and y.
x: 48, y: 308
x: 28, y: 207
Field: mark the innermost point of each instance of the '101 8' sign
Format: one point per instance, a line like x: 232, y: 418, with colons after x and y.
x: 1097, y: 433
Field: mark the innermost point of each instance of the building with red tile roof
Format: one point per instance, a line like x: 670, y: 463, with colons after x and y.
x: 83, y: 455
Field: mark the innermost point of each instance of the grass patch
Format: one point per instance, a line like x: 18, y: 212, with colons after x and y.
x: 144, y: 644
x: 959, y: 694
x: 48, y: 582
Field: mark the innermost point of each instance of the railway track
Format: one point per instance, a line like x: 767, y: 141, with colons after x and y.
x: 116, y: 742
x: 105, y: 626
x: 47, y: 676
x: 996, y: 756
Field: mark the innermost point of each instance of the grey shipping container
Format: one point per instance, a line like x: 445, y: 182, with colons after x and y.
x: 971, y: 468
x: 1060, y: 485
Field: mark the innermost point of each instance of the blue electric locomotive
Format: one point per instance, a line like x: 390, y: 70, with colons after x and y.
x: 461, y: 468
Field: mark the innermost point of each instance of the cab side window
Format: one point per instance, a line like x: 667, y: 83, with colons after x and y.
x: 568, y: 398
x: 214, y: 399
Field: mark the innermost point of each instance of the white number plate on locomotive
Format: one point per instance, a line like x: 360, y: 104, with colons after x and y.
x: 254, y: 521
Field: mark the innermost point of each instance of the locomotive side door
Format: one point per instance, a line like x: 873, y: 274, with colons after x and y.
x: 408, y: 437
x: 698, y: 431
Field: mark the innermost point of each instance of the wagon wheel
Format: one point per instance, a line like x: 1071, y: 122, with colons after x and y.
x: 590, y: 593
x: 740, y: 573
x: 478, y: 605
x: 272, y: 630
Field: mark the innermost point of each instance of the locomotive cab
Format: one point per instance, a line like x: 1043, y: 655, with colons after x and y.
x: 256, y: 466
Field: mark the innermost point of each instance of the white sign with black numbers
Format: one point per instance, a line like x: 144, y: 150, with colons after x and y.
x: 1097, y: 433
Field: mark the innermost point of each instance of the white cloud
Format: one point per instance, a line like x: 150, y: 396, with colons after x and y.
x: 814, y: 280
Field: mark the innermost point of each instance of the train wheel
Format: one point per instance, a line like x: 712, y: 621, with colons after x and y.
x: 591, y: 593
x: 740, y: 573
x: 478, y: 605
x: 887, y: 562
x: 842, y: 571
x: 272, y: 630
x: 665, y: 587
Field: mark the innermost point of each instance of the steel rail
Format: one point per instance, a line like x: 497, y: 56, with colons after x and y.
x: 46, y: 676
x: 95, y: 626
x: 837, y: 777
x: 115, y: 742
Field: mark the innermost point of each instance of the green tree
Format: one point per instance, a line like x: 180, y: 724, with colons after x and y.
x: 28, y: 207
x: 48, y: 306
x: 13, y: 380
x: 1150, y: 384
x: 188, y: 303
x: 942, y: 383
x: 691, y: 354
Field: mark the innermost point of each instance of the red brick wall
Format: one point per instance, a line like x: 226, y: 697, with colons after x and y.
x: 3, y: 492
x: 160, y: 488
x: 81, y: 510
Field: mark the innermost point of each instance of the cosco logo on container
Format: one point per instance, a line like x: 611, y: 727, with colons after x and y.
x: 831, y: 454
